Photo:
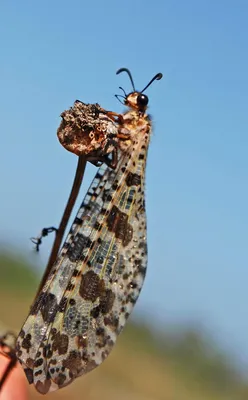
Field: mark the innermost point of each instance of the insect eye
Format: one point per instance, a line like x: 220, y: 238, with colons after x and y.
x: 142, y: 100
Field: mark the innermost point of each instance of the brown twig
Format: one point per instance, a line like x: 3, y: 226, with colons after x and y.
x: 10, y: 354
x: 8, y: 369
x: 64, y: 220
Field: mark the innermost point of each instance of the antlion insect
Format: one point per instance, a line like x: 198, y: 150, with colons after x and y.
x: 95, y: 282
x: 88, y: 131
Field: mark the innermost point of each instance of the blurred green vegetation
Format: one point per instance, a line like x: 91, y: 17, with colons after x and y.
x: 177, y: 364
x: 16, y: 274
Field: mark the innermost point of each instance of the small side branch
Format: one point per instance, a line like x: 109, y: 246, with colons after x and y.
x: 45, y: 232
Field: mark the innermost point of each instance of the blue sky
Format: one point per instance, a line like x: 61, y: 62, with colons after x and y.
x: 197, y: 194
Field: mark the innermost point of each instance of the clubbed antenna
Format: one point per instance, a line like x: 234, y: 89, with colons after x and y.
x: 156, y: 77
x: 129, y: 74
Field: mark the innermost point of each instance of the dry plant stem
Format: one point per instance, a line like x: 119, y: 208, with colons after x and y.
x: 65, y: 218
x: 8, y: 369
x: 10, y: 354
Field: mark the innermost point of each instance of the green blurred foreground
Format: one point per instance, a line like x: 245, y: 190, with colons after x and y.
x: 179, y: 366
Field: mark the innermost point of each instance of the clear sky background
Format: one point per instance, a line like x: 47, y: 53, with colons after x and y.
x: 53, y: 52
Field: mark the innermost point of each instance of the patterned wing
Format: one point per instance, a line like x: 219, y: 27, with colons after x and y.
x: 96, y: 280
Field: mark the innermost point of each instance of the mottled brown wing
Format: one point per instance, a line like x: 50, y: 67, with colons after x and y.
x: 95, y: 283
x: 98, y: 276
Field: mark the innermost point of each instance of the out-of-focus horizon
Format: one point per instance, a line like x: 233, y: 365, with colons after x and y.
x: 54, y: 53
